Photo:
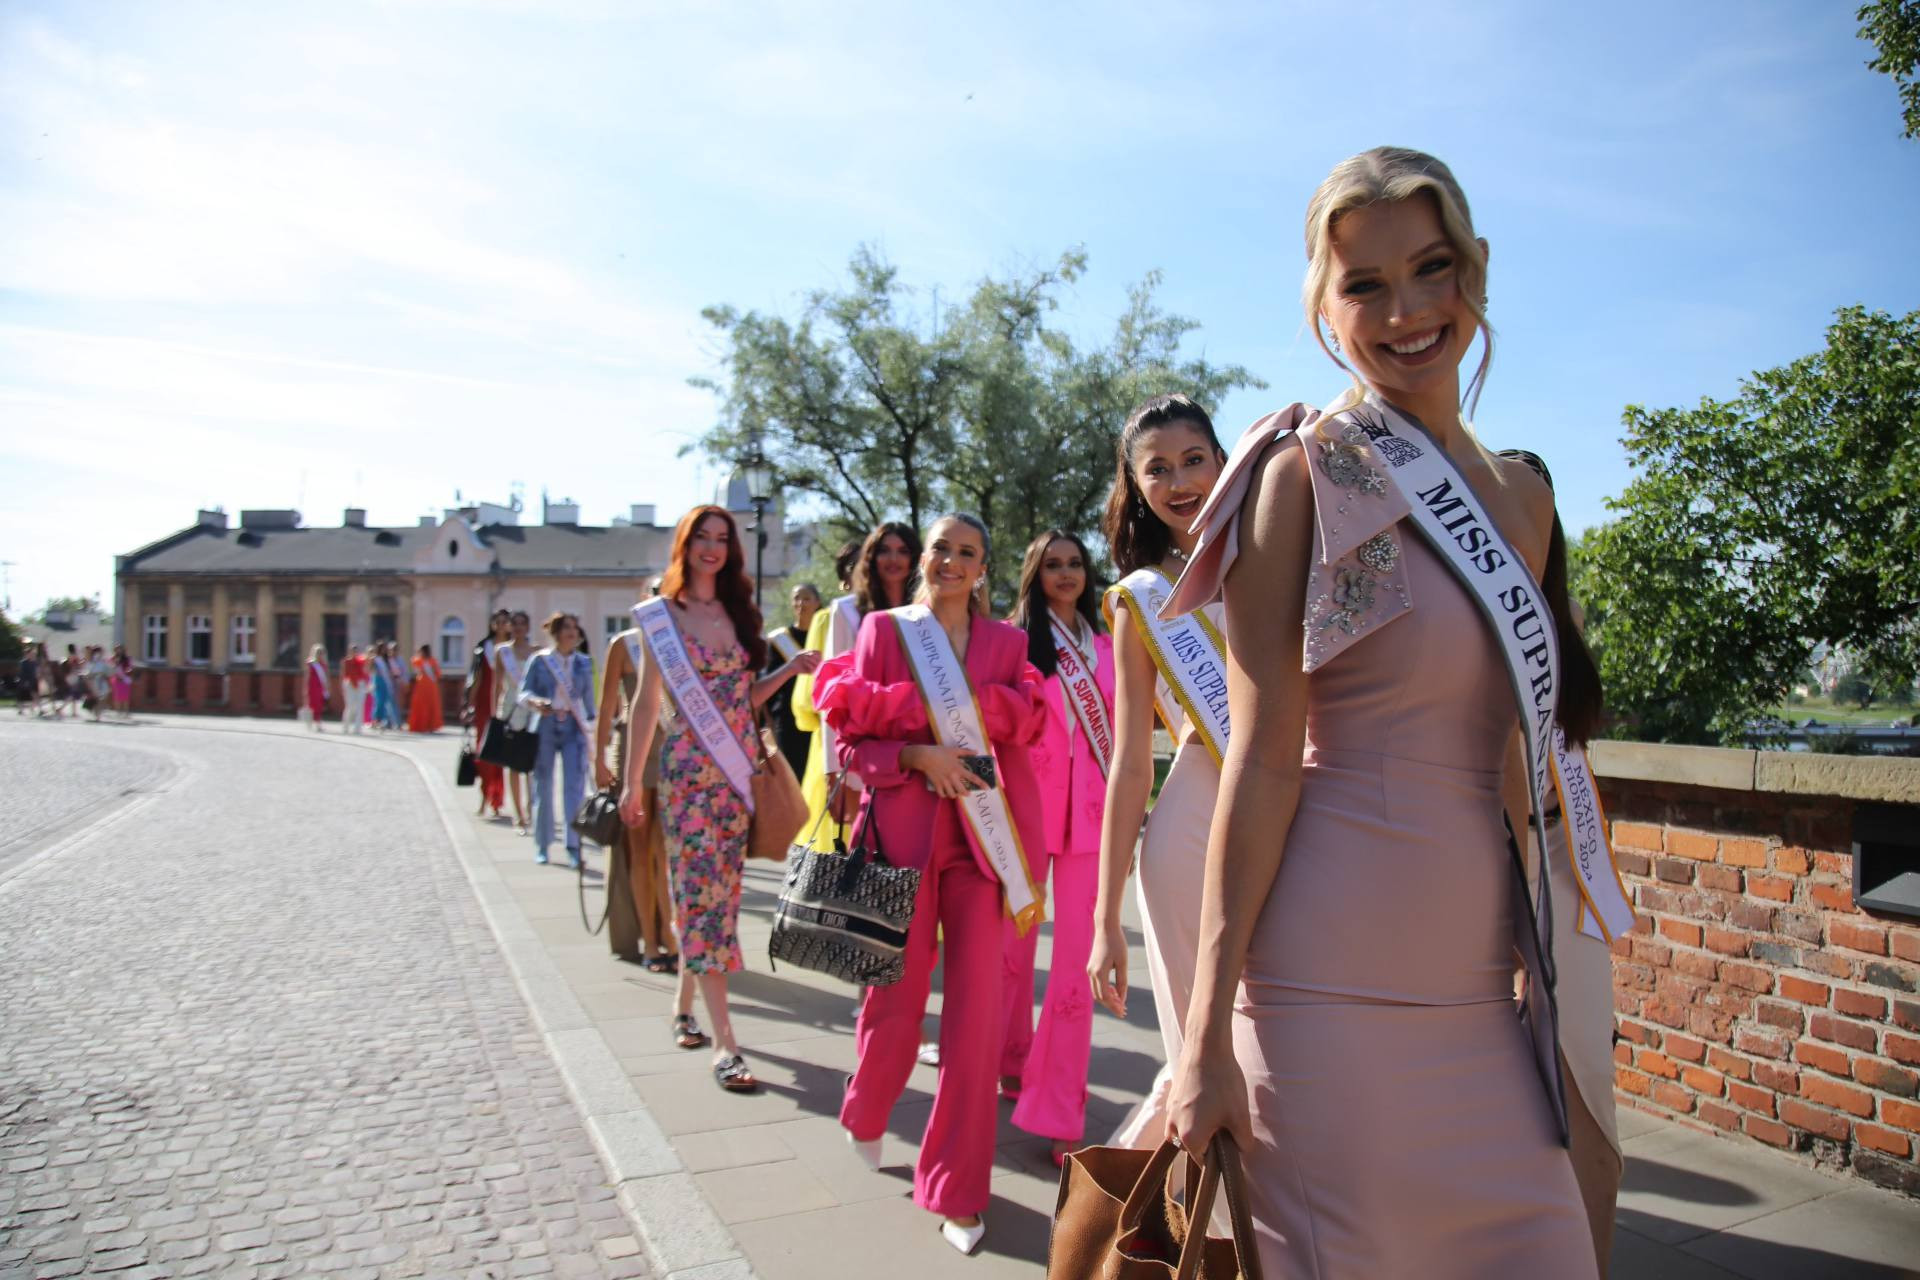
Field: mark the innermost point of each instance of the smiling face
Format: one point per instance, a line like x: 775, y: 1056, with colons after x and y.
x: 954, y: 561
x: 566, y: 634
x: 1063, y: 575
x: 707, y: 548
x: 1393, y: 299
x: 1175, y: 467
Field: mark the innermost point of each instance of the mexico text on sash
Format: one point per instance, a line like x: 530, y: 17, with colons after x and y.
x: 954, y: 714
x: 1605, y: 912
x: 1082, y: 693
x: 689, y: 694
x: 1189, y: 654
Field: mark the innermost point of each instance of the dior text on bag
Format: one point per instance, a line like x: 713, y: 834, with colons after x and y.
x: 846, y: 914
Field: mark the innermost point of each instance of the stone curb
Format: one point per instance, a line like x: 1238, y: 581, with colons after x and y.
x: 683, y: 1236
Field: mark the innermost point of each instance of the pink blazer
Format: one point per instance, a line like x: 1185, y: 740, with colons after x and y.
x: 870, y: 699
x: 1073, y: 791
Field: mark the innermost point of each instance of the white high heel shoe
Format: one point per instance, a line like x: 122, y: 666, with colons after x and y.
x: 869, y: 1152
x: 965, y: 1239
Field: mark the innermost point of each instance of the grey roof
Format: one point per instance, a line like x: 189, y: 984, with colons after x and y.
x: 518, y: 549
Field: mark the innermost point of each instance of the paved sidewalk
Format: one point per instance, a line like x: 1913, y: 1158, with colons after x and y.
x: 770, y: 1178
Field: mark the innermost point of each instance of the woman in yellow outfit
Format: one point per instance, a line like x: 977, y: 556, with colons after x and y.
x: 876, y: 574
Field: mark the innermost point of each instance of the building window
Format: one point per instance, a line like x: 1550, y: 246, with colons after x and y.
x: 153, y: 638
x: 199, y: 638
x: 453, y: 643
x: 386, y: 626
x: 286, y: 640
x: 616, y: 623
x: 243, y: 637
x: 333, y: 628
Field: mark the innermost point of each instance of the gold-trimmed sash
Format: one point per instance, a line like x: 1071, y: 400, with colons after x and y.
x: 1188, y: 652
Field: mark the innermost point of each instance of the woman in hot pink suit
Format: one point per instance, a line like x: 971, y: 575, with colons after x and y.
x: 1047, y: 1071
x: 875, y: 708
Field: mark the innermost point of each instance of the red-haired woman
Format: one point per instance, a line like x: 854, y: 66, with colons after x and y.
x: 703, y: 639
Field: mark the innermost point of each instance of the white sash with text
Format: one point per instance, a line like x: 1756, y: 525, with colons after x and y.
x: 1082, y: 692
x: 689, y: 693
x: 1189, y: 654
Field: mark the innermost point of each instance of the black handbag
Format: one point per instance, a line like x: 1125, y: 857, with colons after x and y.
x: 514, y: 749
x: 599, y: 818
x: 467, y: 771
x: 846, y: 914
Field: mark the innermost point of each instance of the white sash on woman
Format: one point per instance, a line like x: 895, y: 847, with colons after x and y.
x: 562, y: 668
x: 1188, y: 653
x: 953, y: 711
x: 689, y: 693
x: 782, y: 643
x: 319, y: 669
x: 1082, y: 692
x: 1605, y: 912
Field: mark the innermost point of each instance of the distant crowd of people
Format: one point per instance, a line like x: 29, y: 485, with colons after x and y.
x: 378, y: 689
x: 77, y: 684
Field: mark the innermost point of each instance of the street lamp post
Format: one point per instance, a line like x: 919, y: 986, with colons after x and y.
x: 758, y: 473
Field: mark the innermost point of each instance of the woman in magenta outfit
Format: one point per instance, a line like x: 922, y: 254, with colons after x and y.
x: 875, y: 707
x: 1046, y: 1071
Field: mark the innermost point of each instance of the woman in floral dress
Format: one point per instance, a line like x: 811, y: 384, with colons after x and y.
x: 705, y: 819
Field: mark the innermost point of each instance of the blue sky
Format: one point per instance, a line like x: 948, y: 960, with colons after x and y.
x: 371, y: 253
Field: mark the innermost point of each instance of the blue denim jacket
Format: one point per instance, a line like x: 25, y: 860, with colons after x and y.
x: 538, y: 681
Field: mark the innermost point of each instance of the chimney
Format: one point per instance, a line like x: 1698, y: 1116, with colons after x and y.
x: 567, y: 512
x: 643, y: 515
x: 429, y: 522
x: 214, y: 519
x: 354, y: 518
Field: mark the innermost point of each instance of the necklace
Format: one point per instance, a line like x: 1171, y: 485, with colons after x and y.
x: 1176, y: 554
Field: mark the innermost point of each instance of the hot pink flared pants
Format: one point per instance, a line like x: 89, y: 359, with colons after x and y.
x: 1051, y: 1063
x: 956, y: 921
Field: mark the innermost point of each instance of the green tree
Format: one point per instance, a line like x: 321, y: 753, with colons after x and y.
x: 1758, y: 527
x: 1893, y: 27
x: 64, y: 604
x: 13, y: 642
x: 871, y: 409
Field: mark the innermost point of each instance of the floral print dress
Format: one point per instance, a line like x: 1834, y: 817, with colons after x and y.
x: 706, y: 822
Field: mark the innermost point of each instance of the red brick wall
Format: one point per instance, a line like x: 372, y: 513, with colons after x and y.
x: 1754, y: 997
x: 253, y: 693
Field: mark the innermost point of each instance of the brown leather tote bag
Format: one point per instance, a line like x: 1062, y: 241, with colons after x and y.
x: 779, y: 806
x: 1118, y: 1217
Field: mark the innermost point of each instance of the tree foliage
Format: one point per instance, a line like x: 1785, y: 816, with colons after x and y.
x: 1893, y: 27
x: 1759, y: 527
x: 871, y: 410
x: 13, y: 642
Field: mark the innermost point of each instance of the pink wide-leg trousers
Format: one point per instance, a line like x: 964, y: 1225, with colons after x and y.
x: 956, y: 921
x: 1051, y: 1063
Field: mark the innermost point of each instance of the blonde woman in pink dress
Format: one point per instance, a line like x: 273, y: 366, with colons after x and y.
x: 1353, y: 1023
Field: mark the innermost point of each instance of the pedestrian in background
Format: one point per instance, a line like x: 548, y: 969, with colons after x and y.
x: 122, y: 683
x: 558, y: 686
x: 640, y: 926
x: 29, y: 678
x: 98, y: 676
x: 354, y: 675
x: 314, y: 704
x: 385, y: 709
x: 397, y: 671
x: 478, y: 710
x: 782, y: 644
x: 510, y: 668
x: 425, y: 716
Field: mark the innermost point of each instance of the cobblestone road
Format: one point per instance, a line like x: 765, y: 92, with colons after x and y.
x: 67, y: 778
x: 259, y: 1028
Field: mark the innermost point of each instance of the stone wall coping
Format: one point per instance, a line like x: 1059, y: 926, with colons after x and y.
x: 1888, y: 779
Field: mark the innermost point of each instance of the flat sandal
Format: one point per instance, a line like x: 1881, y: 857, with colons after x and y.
x: 733, y: 1076
x: 687, y: 1033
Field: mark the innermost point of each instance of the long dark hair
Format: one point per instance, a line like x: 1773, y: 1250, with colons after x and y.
x: 1033, y: 614
x: 731, y: 586
x: 844, y: 561
x: 1135, y: 535
x: 866, y: 577
x: 1582, y: 696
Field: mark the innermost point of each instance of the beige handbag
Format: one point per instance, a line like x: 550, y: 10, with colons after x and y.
x: 779, y: 806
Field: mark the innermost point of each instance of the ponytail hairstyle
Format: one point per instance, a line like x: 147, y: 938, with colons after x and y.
x: 1135, y: 535
x: 978, y: 601
x: 866, y: 571
x: 731, y: 586
x: 1034, y: 615
x: 1582, y: 696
